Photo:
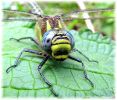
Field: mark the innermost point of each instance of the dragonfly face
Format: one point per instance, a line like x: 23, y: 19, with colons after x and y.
x: 56, y: 40
x: 58, y: 43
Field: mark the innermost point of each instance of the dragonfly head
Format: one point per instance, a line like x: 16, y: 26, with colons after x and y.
x: 58, y: 43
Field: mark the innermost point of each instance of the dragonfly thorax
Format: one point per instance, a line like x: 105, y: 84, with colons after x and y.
x: 58, y: 43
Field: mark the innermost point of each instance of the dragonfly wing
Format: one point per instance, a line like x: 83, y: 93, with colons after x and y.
x: 18, y: 15
x: 35, y: 8
x: 94, y: 14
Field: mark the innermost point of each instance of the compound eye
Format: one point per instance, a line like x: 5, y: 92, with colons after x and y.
x: 47, y: 39
x: 70, y: 36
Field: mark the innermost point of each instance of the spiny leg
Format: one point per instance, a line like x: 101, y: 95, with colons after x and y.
x: 43, y: 77
x: 85, y: 74
x: 24, y: 38
x: 85, y: 56
x: 18, y: 58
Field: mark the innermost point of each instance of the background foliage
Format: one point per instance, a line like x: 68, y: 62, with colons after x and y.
x: 104, y: 26
x: 25, y: 81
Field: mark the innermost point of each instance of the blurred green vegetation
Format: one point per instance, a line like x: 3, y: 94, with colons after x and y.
x: 93, y: 45
x: 104, y: 26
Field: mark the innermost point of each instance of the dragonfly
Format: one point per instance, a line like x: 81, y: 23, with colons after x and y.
x: 56, y: 42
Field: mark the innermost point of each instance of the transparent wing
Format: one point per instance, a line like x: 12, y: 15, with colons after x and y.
x: 93, y: 13
x: 14, y: 15
x: 35, y: 8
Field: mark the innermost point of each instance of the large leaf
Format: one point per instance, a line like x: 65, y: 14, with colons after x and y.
x: 66, y: 77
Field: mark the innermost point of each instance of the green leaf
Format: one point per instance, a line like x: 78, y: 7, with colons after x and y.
x: 66, y: 77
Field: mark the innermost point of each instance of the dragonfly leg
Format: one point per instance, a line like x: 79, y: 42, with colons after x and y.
x: 24, y: 38
x: 43, y: 77
x: 19, y: 56
x: 85, y: 74
x: 85, y: 56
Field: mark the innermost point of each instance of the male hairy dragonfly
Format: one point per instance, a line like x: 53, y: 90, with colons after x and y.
x: 54, y: 40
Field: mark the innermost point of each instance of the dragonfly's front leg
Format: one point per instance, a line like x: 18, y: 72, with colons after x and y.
x: 25, y: 38
x: 19, y: 56
x: 74, y: 50
x: 43, y: 77
x: 85, y: 74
